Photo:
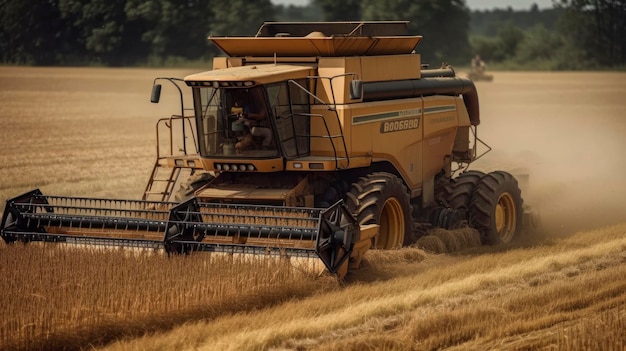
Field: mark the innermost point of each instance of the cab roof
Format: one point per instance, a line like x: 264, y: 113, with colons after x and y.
x: 259, y: 74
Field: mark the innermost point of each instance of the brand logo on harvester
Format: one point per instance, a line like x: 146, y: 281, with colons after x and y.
x: 400, y: 125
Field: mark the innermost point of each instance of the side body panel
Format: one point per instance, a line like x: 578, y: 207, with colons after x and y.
x: 391, y: 131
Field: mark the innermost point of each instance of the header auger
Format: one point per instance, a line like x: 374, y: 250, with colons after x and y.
x: 317, y: 140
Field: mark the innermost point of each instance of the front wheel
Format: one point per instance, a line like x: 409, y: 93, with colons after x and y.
x: 496, y: 208
x: 193, y: 183
x: 382, y: 198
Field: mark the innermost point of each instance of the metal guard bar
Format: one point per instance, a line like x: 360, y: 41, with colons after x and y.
x: 82, y: 240
x: 185, y: 227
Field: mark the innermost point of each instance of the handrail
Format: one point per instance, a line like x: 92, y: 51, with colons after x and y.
x: 168, y: 122
x: 332, y: 106
x: 331, y: 138
x: 182, y: 103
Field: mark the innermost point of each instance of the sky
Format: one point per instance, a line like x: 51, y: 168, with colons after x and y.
x: 472, y: 4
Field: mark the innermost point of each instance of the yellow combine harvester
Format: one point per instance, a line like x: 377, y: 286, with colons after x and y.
x: 308, y: 139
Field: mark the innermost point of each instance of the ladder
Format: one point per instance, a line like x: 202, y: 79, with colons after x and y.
x: 161, y: 183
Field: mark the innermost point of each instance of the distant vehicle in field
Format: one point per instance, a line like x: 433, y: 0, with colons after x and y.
x: 478, y: 69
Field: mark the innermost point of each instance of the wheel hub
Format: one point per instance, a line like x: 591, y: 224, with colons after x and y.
x: 391, y: 225
x: 505, y: 217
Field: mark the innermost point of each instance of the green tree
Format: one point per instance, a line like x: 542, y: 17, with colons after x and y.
x: 539, y: 49
x: 101, y: 26
x: 129, y: 32
x: 170, y: 28
x: 292, y: 13
x: 240, y: 17
x: 488, y: 48
x: 538, y: 44
x: 510, y: 37
x: 346, y: 10
x: 527, y: 39
x: 597, y: 28
x: 33, y: 32
x: 444, y: 25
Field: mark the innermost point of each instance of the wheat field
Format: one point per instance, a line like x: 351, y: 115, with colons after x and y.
x: 90, y: 132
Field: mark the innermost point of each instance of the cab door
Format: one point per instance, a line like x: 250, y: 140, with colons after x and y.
x: 290, y: 106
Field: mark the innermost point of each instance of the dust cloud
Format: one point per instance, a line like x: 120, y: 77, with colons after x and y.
x: 564, y: 136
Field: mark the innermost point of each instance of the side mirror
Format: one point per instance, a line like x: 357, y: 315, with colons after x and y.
x: 356, y: 89
x: 156, y: 94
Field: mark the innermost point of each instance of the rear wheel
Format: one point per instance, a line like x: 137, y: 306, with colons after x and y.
x: 462, y: 190
x: 383, y: 199
x: 461, y: 194
x: 496, y: 208
x: 454, y: 201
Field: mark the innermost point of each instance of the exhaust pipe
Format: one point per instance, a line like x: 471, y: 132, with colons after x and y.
x: 439, y: 72
x: 436, y: 82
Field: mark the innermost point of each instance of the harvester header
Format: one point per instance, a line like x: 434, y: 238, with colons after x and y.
x: 181, y: 228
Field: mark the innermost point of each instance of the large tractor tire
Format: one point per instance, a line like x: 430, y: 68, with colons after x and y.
x: 462, y: 190
x: 333, y: 193
x: 454, y: 201
x: 193, y: 183
x: 382, y: 198
x: 496, y: 208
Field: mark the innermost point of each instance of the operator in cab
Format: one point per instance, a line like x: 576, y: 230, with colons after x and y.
x: 251, y: 113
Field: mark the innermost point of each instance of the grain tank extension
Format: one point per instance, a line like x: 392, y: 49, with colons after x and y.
x: 309, y: 139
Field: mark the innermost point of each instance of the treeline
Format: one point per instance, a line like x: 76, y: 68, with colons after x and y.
x: 575, y: 34
x: 121, y: 32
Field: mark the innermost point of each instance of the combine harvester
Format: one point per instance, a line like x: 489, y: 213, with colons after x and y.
x: 308, y: 140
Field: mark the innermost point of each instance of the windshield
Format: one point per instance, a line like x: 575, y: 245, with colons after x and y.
x: 261, y: 121
x: 234, y: 122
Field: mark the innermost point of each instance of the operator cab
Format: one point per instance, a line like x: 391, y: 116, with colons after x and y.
x: 243, y: 120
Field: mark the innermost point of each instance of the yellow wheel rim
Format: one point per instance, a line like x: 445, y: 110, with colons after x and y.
x: 391, y: 225
x: 506, y: 217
